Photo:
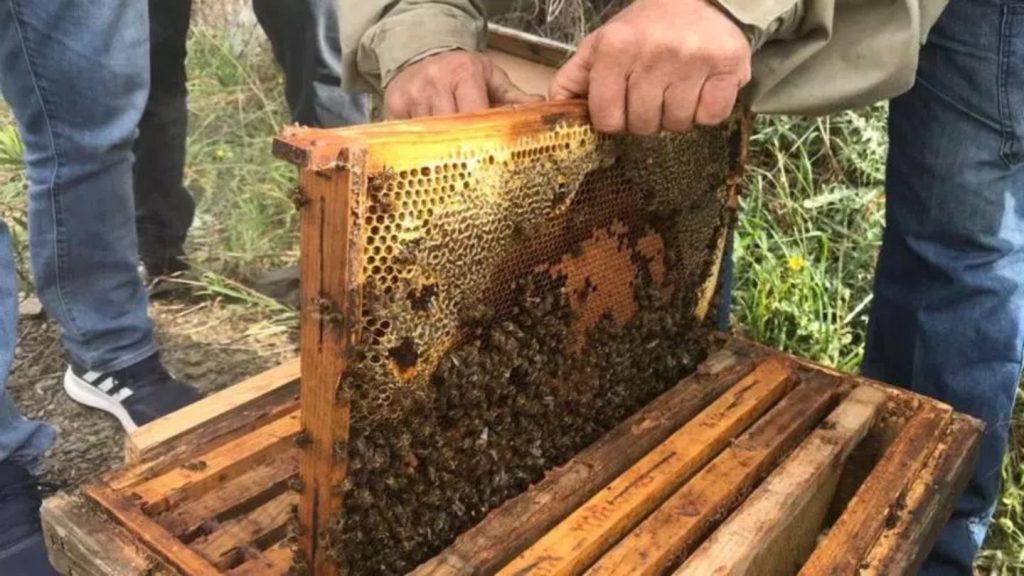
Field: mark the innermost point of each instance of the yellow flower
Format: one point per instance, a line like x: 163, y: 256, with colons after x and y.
x: 796, y: 263
x: 220, y: 154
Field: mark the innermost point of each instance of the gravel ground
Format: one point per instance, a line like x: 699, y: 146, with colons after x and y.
x: 208, y: 344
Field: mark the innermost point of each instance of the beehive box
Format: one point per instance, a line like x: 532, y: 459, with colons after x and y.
x: 758, y: 463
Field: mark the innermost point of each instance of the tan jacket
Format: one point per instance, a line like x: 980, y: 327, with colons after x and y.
x: 812, y: 56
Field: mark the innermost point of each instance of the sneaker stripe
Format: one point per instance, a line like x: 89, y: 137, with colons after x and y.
x: 123, y: 393
x: 106, y: 385
x: 91, y: 377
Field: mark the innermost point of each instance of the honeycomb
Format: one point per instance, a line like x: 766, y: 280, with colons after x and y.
x: 519, y: 299
x: 594, y: 212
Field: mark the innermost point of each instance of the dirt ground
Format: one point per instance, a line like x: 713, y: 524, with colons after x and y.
x: 206, y: 343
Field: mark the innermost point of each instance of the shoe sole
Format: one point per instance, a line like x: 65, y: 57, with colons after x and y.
x: 80, y: 391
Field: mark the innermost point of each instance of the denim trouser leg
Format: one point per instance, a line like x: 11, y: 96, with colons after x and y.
x: 164, y: 209
x: 21, y: 440
x: 948, y: 315
x: 304, y: 34
x: 76, y: 75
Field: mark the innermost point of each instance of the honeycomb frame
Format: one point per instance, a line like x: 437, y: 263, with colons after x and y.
x: 528, y: 201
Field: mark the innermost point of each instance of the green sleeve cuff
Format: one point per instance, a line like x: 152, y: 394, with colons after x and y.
x: 763, y: 20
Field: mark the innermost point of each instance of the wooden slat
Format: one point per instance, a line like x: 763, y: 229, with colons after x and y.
x: 689, y: 514
x: 217, y: 466
x: 272, y: 562
x: 586, y: 533
x: 907, y: 541
x: 151, y: 534
x: 232, y: 407
x: 528, y: 46
x: 857, y: 529
x: 183, y: 453
x: 776, y: 527
x: 84, y: 543
x: 227, y: 546
x: 510, y: 529
x: 329, y: 330
x: 232, y: 498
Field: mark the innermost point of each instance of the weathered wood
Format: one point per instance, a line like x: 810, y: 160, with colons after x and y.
x: 237, y: 407
x: 84, y: 543
x: 689, y: 514
x: 154, y: 467
x: 776, y: 527
x: 857, y: 529
x: 520, y: 522
x: 228, y: 544
x: 911, y: 532
x: 328, y: 328
x: 577, y: 541
x: 213, y: 468
x: 274, y: 561
x: 232, y: 498
x: 151, y: 534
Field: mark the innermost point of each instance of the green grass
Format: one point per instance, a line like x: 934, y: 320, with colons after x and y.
x: 809, y: 229
x: 245, y: 219
x: 808, y: 236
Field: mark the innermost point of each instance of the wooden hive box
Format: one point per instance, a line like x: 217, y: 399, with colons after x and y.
x: 603, y: 428
x: 758, y: 463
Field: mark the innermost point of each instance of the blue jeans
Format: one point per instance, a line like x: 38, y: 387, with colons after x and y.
x: 305, y: 40
x: 948, y: 313
x: 76, y: 75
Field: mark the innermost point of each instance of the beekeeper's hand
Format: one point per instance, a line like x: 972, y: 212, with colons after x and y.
x: 450, y: 82
x: 658, y: 65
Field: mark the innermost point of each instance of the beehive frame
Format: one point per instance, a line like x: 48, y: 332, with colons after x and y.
x: 344, y: 189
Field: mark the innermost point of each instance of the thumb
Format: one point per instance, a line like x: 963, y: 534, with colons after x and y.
x: 573, y: 79
x: 501, y: 90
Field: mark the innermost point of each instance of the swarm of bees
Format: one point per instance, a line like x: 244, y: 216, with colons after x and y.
x: 503, y: 408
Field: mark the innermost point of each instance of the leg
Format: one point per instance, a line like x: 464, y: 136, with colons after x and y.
x: 163, y: 207
x: 21, y: 441
x: 76, y: 75
x: 948, y: 314
x: 304, y: 34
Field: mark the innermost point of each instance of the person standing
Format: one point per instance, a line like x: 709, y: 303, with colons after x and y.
x: 947, y: 318
x: 75, y: 75
x: 304, y: 38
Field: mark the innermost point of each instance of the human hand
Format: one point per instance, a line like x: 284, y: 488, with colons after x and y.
x: 658, y: 65
x: 450, y: 82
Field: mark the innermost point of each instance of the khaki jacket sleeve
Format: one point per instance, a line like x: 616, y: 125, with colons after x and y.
x: 820, y: 56
x: 380, y: 37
